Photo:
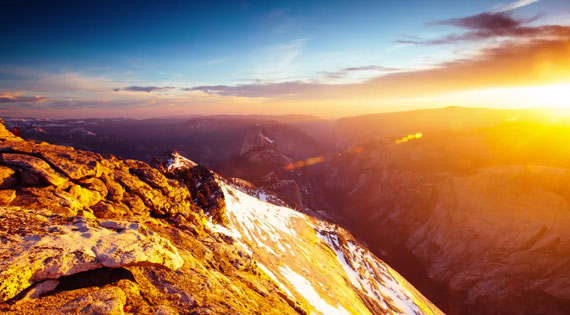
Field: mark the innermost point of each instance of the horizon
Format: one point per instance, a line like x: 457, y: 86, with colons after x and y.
x: 329, y: 60
x: 183, y: 116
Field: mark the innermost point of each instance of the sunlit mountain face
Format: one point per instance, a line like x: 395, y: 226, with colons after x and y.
x: 376, y: 157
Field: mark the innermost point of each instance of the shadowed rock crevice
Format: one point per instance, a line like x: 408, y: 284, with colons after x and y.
x: 93, y: 278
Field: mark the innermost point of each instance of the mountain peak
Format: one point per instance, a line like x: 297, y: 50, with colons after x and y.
x: 256, y: 138
x: 178, y: 162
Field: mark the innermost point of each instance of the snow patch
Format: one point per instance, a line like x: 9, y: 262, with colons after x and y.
x: 304, y: 287
x: 274, y: 278
x: 370, y: 275
x: 177, y: 161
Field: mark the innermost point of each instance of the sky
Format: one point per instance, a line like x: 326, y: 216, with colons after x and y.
x: 62, y: 59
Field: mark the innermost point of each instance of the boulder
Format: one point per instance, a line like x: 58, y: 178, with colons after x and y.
x: 74, y: 164
x: 95, y: 184
x: 36, y: 166
x: 86, y: 197
x: 49, y: 248
x: 6, y: 135
x: 7, y: 177
x: 114, y: 190
x: 107, y: 210
x: 50, y: 198
x: 7, y: 196
x: 107, y: 301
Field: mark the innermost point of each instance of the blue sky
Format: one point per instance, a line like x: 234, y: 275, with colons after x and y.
x: 106, y: 47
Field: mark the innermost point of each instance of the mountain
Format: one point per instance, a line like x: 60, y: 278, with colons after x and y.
x: 275, y: 174
x: 476, y: 217
x: 210, y: 140
x: 89, y: 233
x: 350, y: 131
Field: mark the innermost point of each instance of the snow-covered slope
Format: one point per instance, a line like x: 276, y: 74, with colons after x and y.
x: 316, y: 263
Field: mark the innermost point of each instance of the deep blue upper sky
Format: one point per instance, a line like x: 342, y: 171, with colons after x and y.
x: 179, y: 37
x: 197, y: 43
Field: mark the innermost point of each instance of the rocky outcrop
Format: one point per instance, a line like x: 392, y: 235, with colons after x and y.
x: 69, y: 181
x: 109, y: 300
x: 38, y: 246
x: 173, y: 162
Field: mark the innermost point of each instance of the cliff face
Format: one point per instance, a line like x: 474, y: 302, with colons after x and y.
x: 275, y: 174
x: 86, y: 233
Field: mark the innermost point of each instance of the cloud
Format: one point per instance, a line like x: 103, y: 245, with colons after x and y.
x: 346, y: 72
x: 146, y: 89
x: 510, y: 63
x: 488, y: 25
x: 257, y: 90
x: 278, y: 60
x: 289, y: 88
x: 36, y: 82
x: 502, y: 7
x: 15, y: 97
x: 217, y: 61
x: 369, y: 68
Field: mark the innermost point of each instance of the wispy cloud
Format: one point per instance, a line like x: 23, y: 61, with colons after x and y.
x: 347, y: 72
x: 257, y: 90
x: 502, y: 7
x: 217, y: 61
x: 490, y: 25
x: 369, y: 68
x: 147, y: 89
x: 17, y: 97
x: 278, y: 60
x: 508, y: 63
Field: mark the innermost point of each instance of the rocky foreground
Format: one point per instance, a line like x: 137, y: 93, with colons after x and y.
x: 83, y: 233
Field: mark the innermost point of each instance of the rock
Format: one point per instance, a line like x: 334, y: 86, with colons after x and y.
x: 40, y: 289
x: 289, y: 190
x: 206, y: 192
x: 74, y: 164
x: 114, y: 189
x: 95, y: 184
x: 49, y: 198
x: 107, y: 210
x: 7, y: 177
x: 6, y: 135
x: 35, y: 166
x: 106, y: 301
x: 7, y: 196
x: 51, y: 249
x: 135, y: 203
x: 165, y: 310
x: 177, y: 195
x: 86, y: 197
x: 172, y: 162
x: 152, y: 198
